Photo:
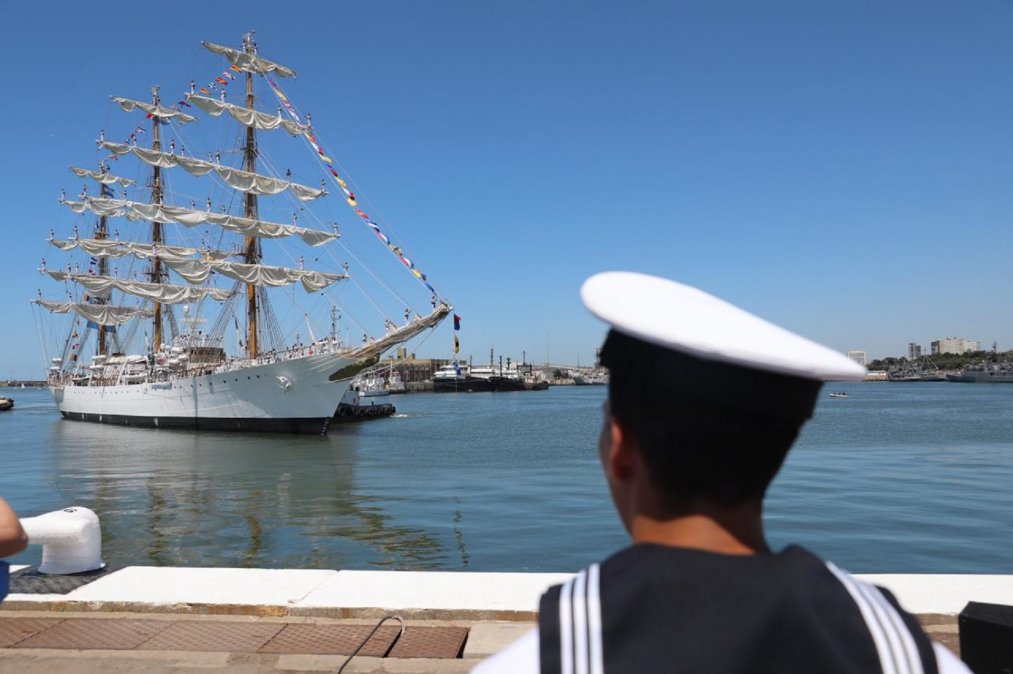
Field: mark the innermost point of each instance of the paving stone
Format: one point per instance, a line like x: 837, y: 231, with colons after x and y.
x: 484, y: 639
x: 89, y: 634
x: 332, y: 640
x: 209, y: 636
x: 15, y: 630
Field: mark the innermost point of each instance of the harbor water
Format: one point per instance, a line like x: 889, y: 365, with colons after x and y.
x: 895, y: 478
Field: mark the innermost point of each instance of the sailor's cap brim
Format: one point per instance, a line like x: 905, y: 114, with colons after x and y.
x: 685, y: 319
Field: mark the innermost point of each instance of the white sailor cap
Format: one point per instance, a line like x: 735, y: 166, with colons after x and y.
x: 689, y: 321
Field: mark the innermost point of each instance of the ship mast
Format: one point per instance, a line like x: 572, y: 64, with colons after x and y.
x: 251, y: 252
x: 156, y: 227
x: 102, y: 233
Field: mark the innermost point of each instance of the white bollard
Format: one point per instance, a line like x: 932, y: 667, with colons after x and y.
x: 71, y: 540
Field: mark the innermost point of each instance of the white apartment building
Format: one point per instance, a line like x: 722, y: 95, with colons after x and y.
x: 954, y: 345
x: 914, y: 351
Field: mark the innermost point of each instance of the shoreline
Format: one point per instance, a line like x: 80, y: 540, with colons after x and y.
x: 431, y: 595
x: 169, y: 619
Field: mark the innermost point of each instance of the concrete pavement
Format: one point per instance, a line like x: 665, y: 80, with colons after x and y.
x: 162, y: 619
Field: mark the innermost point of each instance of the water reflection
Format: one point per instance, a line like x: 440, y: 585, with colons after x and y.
x: 459, y: 536
x: 204, y: 499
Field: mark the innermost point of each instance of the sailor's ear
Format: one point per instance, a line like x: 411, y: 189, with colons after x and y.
x: 622, y: 453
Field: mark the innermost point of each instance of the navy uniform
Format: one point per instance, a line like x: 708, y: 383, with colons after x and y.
x: 662, y: 608
x: 653, y: 608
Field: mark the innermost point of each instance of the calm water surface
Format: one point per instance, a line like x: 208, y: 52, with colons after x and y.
x: 895, y: 478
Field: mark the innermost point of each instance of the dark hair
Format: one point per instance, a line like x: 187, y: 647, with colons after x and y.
x: 708, y: 431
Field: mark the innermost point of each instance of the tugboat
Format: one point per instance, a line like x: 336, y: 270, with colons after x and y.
x: 353, y: 408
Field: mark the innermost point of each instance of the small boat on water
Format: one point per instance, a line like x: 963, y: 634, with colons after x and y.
x: 6, y: 403
x: 353, y: 407
x: 838, y: 394
x: 593, y: 378
x: 378, y: 381
x: 370, y: 387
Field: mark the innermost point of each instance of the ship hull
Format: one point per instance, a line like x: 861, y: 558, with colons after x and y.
x: 481, y: 384
x: 290, y: 396
x: 463, y: 385
x: 982, y: 378
x: 297, y: 426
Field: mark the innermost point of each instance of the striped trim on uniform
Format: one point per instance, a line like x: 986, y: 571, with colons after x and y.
x: 898, y: 653
x: 580, y: 637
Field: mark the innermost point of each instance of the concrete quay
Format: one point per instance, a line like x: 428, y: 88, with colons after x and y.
x: 164, y: 619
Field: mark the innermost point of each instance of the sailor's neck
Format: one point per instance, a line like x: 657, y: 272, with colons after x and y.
x: 735, y: 531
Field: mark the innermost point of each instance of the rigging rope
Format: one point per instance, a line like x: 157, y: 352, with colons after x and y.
x: 349, y: 196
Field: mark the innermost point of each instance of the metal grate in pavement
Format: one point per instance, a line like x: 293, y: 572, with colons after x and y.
x: 207, y: 636
x: 83, y: 634
x: 331, y: 640
x: 437, y: 642
x: 430, y: 642
x: 14, y: 630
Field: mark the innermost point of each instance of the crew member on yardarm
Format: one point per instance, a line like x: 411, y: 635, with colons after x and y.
x: 704, y: 402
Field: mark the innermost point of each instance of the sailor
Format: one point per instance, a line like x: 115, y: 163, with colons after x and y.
x: 704, y: 402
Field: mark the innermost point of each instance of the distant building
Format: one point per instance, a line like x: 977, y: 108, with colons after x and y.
x: 956, y: 345
x: 914, y: 351
x: 859, y: 357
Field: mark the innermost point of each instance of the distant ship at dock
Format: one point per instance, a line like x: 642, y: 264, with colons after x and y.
x: 984, y: 373
x: 463, y: 378
x: 910, y: 376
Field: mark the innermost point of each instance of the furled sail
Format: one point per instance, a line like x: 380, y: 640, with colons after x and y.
x: 154, y: 110
x: 404, y: 333
x: 249, y: 62
x: 102, y: 314
x: 111, y: 248
x: 189, y: 217
x: 254, y: 118
x: 102, y: 177
x: 240, y: 180
x: 198, y: 271
x: 102, y: 286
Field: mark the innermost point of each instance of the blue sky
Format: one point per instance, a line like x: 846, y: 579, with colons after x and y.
x: 842, y: 168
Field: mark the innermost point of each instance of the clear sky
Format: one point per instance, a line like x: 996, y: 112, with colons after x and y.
x: 842, y: 168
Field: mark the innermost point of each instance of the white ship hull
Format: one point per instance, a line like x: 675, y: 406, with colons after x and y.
x: 287, y: 396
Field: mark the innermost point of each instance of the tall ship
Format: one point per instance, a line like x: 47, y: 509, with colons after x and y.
x: 203, y: 283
